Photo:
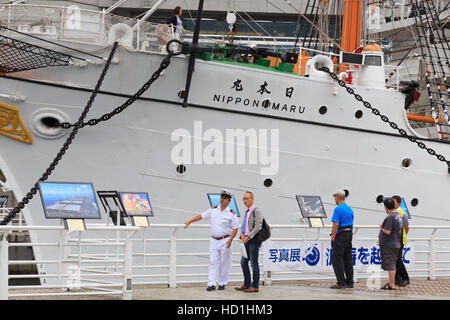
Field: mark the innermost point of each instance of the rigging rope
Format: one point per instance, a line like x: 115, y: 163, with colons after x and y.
x: 431, y: 58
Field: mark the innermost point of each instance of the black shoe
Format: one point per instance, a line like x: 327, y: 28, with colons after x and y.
x: 211, y: 288
x: 349, y: 286
x: 222, y: 287
x: 403, y: 283
x: 337, y: 286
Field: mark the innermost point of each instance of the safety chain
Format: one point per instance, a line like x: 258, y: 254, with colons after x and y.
x: 384, y: 118
x: 92, y: 122
x: 66, y: 145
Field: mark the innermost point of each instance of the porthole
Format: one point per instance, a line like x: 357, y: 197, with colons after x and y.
x: 346, y: 193
x: 45, y: 123
x: 380, y: 198
x: 323, y: 110
x: 414, y: 202
x: 181, y: 169
x: 181, y: 94
x: 406, y: 163
x: 50, y: 122
x: 268, y: 183
x: 358, y: 114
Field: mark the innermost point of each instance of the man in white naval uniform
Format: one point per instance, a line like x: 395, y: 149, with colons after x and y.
x: 224, y: 226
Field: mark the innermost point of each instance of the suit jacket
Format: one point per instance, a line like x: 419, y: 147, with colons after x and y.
x: 255, y: 222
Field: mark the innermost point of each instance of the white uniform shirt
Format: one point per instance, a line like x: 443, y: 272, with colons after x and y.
x: 222, y: 222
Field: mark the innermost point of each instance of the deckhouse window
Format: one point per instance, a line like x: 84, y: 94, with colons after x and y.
x: 372, y: 61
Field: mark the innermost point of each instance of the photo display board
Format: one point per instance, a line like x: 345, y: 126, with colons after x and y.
x: 214, y: 200
x: 311, y: 206
x: 69, y: 200
x: 136, y: 203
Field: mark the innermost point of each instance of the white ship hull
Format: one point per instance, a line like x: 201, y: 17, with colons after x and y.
x: 318, y: 154
x: 309, y: 153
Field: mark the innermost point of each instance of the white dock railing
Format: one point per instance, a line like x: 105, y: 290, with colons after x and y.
x: 431, y: 250
x: 135, y: 257
x: 78, y: 273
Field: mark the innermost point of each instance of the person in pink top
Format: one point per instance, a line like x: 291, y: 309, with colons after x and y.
x: 251, y: 225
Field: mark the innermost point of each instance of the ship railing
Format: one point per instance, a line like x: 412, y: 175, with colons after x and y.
x: 392, y: 74
x: 78, y: 272
x: 18, y: 220
x: 89, y: 264
x: 386, y: 12
x: 431, y: 252
x: 82, y: 27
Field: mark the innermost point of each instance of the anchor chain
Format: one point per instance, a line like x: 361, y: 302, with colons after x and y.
x: 66, y: 145
x: 385, y: 119
x: 92, y: 122
x: 80, y: 124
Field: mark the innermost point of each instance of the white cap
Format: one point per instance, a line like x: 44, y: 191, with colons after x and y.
x: 339, y: 193
x: 224, y: 191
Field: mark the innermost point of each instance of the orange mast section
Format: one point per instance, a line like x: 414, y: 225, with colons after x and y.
x: 351, y: 25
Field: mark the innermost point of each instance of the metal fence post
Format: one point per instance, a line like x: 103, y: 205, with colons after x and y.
x: 127, y: 271
x: 173, y: 260
x: 4, y: 269
x: 267, y: 278
x: 432, y: 256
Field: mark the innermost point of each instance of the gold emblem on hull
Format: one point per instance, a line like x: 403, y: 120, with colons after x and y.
x: 12, y: 126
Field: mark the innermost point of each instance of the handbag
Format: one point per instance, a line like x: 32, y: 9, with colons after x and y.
x: 264, y: 233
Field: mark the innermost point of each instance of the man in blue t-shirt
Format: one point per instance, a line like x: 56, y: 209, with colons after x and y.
x: 341, y: 242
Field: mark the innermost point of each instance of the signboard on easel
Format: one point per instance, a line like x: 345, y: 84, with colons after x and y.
x: 71, y: 201
x: 312, y: 209
x: 138, y: 207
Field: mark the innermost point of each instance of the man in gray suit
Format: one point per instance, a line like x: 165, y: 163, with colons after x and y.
x: 251, y: 225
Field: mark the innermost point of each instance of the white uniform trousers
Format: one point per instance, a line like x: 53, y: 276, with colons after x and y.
x: 219, y: 258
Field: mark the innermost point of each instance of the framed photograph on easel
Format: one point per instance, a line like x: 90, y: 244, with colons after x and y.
x: 71, y: 201
x: 138, y: 207
x: 312, y: 209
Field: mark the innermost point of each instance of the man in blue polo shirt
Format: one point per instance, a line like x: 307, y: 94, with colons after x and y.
x: 341, y: 242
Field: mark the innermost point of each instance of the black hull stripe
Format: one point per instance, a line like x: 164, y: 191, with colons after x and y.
x: 224, y: 110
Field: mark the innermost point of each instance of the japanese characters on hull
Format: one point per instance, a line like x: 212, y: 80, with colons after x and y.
x: 264, y: 97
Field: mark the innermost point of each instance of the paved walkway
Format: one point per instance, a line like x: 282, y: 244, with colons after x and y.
x: 301, y: 290
x: 294, y: 290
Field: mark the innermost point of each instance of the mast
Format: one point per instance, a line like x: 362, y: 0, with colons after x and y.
x: 195, y: 37
x: 351, y: 25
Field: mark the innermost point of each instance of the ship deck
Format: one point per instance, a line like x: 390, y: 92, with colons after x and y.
x: 292, y: 290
